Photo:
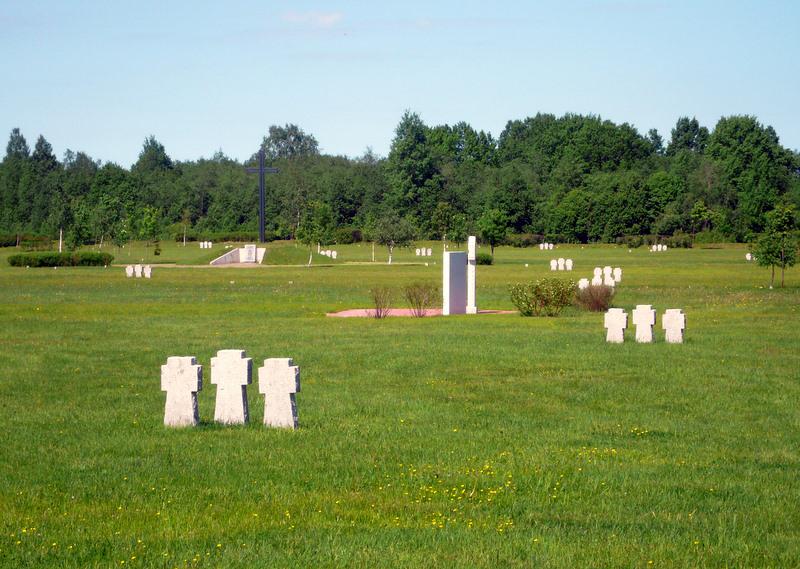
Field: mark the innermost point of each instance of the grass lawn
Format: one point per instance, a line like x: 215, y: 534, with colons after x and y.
x: 465, y: 441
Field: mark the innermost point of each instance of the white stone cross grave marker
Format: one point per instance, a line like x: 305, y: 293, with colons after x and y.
x: 608, y: 280
x: 181, y: 378
x: 553, y: 265
x: 279, y: 381
x: 748, y: 257
x: 617, y: 274
x: 416, y: 252
x: 561, y: 262
x: 430, y: 252
x: 231, y: 372
x: 674, y: 322
x: 615, y: 321
x: 147, y: 271
x: 583, y: 283
x: 550, y: 246
x: 137, y: 270
x: 129, y: 271
x: 568, y: 264
x: 541, y: 246
x: 598, y: 272
x: 334, y: 254
x: 644, y: 318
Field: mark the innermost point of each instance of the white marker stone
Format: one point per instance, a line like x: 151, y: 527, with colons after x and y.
x: 137, y: 270
x: 644, y: 318
x: 608, y: 280
x: 583, y: 283
x: 748, y: 257
x: 181, y: 378
x: 416, y: 252
x: 551, y: 246
x: 147, y: 271
x: 597, y: 280
x: 472, y: 257
x: 541, y: 246
x: 561, y: 262
x: 615, y: 322
x: 279, y: 381
x: 430, y: 252
x: 553, y: 265
x: 608, y: 271
x: 618, y: 274
x: 598, y: 272
x: 334, y: 254
x: 568, y: 264
x: 231, y: 372
x: 129, y: 271
x: 674, y: 322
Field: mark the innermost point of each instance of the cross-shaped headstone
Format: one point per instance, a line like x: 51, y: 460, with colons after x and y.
x: 279, y: 381
x: 618, y: 274
x: 137, y: 270
x: 262, y: 199
x: 568, y: 264
x: 644, y: 318
x: 615, y: 322
x: 181, y: 378
x: 608, y: 280
x: 674, y: 322
x: 598, y: 272
x: 583, y: 283
x: 231, y: 372
x: 553, y: 265
x: 147, y: 271
x: 129, y: 271
x: 561, y: 262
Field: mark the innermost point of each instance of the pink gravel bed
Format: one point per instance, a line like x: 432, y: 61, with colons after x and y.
x: 370, y: 312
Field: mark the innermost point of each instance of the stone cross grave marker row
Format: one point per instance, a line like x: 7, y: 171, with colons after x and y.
x: 561, y: 264
x: 658, y: 248
x: 545, y: 246
x: 206, y: 244
x: 138, y: 271
x: 423, y: 252
x: 231, y: 372
x: 644, y: 318
x: 329, y: 253
x: 603, y: 276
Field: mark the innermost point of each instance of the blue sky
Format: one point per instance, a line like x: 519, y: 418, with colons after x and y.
x: 204, y: 76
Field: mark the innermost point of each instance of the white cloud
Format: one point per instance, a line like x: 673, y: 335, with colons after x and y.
x: 316, y: 20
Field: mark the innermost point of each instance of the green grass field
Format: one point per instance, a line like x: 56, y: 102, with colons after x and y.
x: 466, y: 441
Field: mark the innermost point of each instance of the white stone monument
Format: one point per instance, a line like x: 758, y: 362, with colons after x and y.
x: 472, y: 261
x: 147, y: 271
x: 644, y: 318
x: 454, y: 283
x: 674, y: 322
x: 561, y: 261
x: 598, y: 272
x: 597, y: 281
x: 279, y: 381
x: 608, y: 280
x: 247, y: 254
x: 583, y: 283
x: 550, y: 246
x: 553, y: 265
x: 617, y: 274
x: 231, y: 372
x: 430, y: 252
x: 568, y: 264
x: 416, y: 252
x: 181, y: 378
x: 334, y: 254
x: 129, y: 271
x: 748, y: 257
x: 137, y: 270
x: 608, y: 272
x: 615, y: 322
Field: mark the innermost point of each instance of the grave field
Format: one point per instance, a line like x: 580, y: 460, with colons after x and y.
x: 462, y: 441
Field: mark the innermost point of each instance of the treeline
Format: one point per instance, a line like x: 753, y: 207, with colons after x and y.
x: 571, y: 178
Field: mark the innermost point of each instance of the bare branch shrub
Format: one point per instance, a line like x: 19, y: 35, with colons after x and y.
x: 595, y: 298
x: 421, y: 297
x: 381, y: 300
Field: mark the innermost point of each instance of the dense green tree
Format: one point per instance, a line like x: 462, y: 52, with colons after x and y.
x: 493, y: 225
x: 687, y: 135
x: 393, y: 231
x: 289, y: 142
x: 152, y: 158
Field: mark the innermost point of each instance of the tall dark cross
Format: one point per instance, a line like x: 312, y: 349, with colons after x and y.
x: 262, y: 198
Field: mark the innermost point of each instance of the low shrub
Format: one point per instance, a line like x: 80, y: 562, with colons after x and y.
x: 546, y: 297
x: 421, y: 297
x: 525, y: 239
x: 222, y: 236
x: 53, y: 259
x: 631, y: 241
x: 381, y: 301
x: 595, y: 298
x: 346, y: 235
x: 679, y: 241
x: 484, y: 259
